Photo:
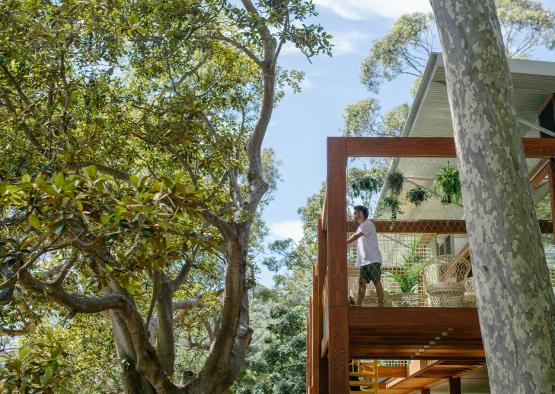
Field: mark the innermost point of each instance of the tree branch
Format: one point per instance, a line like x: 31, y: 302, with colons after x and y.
x: 104, y: 168
x: 242, y: 47
x: 74, y: 301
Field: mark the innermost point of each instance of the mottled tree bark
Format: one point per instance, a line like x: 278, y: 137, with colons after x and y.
x: 517, y: 306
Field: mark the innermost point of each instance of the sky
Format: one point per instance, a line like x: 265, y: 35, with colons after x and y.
x: 301, y: 122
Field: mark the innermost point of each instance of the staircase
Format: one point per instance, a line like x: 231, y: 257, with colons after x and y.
x: 363, y: 377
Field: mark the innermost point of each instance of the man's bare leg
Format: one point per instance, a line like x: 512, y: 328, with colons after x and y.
x: 361, y: 291
x: 379, y: 291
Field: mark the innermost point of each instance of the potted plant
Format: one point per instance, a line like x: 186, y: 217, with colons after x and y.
x: 395, y: 182
x: 368, y: 184
x: 418, y: 195
x: 409, y: 277
x: 447, y: 185
x: 392, y: 202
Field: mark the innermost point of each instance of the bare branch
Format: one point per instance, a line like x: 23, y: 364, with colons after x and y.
x: 242, y: 47
x: 182, y: 275
x: 74, y: 301
x: 184, y: 307
x: 219, y: 223
x: 53, y: 246
x: 13, y: 332
x: 15, y: 84
x: 104, y: 168
x: 64, y: 270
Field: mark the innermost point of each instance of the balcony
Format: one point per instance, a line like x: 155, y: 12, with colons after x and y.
x: 435, y: 331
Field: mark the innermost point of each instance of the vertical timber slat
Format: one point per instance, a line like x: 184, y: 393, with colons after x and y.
x: 338, y: 346
x: 307, y: 380
x: 551, y: 177
x: 315, y: 335
x: 322, y: 265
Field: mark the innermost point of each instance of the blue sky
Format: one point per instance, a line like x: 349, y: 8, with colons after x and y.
x: 301, y: 122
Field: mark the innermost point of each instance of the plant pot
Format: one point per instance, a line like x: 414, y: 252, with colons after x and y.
x: 406, y: 299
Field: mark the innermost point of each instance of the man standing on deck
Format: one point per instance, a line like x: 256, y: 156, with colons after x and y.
x: 369, y: 258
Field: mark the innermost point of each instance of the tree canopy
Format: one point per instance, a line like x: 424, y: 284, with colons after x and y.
x: 133, y: 176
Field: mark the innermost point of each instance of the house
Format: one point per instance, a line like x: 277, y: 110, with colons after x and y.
x: 438, y: 343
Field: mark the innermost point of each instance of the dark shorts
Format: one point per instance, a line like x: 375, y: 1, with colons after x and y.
x: 371, y: 272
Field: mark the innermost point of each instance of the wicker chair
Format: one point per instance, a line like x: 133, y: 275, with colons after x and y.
x: 445, y: 278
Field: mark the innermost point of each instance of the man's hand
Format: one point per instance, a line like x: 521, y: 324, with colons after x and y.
x: 354, y: 237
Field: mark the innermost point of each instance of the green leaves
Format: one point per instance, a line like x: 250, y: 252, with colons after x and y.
x: 59, y: 180
x: 34, y: 221
x: 447, y: 186
x: 417, y: 195
x: 91, y: 171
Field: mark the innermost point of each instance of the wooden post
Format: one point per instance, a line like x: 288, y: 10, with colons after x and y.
x: 315, y: 334
x: 551, y: 177
x: 455, y: 385
x: 338, y: 346
x: 309, y: 370
x: 322, y: 265
x: 424, y: 391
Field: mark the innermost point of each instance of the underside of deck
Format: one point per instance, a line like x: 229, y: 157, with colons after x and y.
x: 415, y: 334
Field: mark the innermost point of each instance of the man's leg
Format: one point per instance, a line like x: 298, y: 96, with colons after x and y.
x: 361, y: 291
x: 379, y: 291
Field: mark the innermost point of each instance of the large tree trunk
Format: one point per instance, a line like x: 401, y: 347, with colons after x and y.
x: 165, y: 339
x: 517, y: 306
x: 132, y: 381
x: 228, y: 351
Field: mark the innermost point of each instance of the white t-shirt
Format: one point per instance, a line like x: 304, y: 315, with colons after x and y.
x: 367, y: 244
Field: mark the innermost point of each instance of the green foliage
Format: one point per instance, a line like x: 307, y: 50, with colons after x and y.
x: 543, y: 208
x: 392, y: 202
x: 447, y: 185
x: 363, y: 119
x: 393, y: 54
x: 36, y: 367
x: 369, y: 184
x: 394, y: 120
x: 279, y: 367
x: 125, y: 129
x: 405, y: 48
x: 525, y: 25
x: 394, y: 182
x: 417, y: 195
x: 411, y: 269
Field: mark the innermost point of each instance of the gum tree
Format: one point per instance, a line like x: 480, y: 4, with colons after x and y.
x: 516, y: 302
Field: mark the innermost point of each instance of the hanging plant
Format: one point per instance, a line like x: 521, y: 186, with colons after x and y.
x: 447, y: 185
x: 367, y: 184
x: 392, y: 202
x: 418, y: 195
x: 394, y: 182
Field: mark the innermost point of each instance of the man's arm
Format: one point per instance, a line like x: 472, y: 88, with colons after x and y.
x: 354, y: 237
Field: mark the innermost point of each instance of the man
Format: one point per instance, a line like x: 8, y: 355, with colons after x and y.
x: 369, y: 258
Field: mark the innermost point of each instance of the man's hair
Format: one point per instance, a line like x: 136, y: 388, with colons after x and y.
x: 363, y: 209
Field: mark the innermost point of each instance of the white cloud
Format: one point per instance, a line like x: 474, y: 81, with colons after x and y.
x: 344, y: 42
x: 365, y: 9
x: 350, y: 42
x: 306, y: 84
x: 290, y: 50
x: 286, y: 229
